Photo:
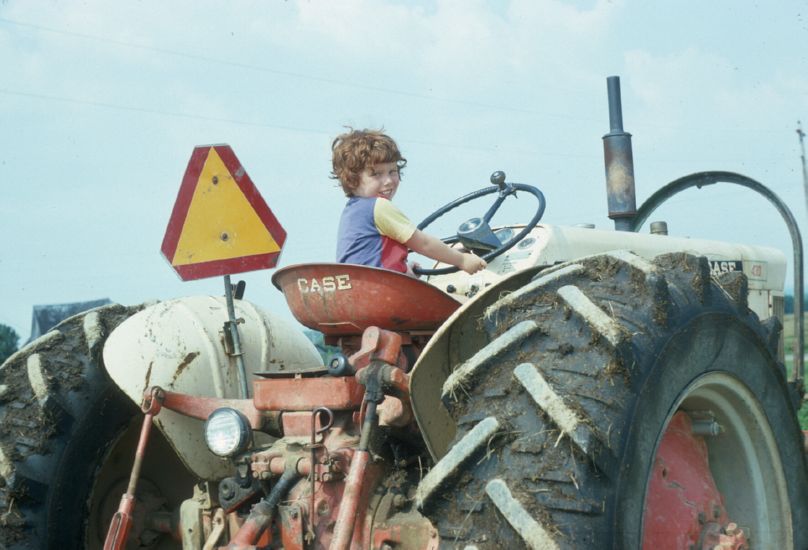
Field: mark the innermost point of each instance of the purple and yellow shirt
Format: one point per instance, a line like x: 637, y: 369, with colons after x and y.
x: 372, y: 232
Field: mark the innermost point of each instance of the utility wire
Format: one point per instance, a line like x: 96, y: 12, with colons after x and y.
x: 161, y: 112
x: 119, y: 107
x: 346, y: 83
x: 205, y: 59
x: 249, y: 123
x: 303, y: 76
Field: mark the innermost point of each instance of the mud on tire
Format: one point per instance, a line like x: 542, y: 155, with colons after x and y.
x: 560, y: 415
x: 59, y: 412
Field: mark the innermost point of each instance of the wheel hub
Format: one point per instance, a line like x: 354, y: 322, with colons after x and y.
x: 150, y: 505
x: 684, y: 508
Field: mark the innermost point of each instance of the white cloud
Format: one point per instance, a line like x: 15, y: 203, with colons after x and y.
x: 458, y: 43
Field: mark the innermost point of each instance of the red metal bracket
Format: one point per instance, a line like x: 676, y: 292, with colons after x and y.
x: 378, y: 344
x: 201, y: 407
x: 121, y: 522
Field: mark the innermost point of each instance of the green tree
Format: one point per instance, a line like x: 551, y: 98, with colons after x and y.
x: 8, y: 342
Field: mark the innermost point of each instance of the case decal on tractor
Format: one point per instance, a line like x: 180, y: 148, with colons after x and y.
x: 326, y: 284
x: 717, y: 267
x: 754, y: 270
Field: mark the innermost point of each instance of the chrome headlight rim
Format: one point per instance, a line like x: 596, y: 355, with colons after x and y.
x: 228, y: 422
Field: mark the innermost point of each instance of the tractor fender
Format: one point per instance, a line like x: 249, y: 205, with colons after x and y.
x: 457, y: 339
x: 179, y: 346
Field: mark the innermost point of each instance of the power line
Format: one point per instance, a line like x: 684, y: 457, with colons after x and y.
x: 177, y: 114
x: 119, y: 107
x: 303, y: 76
x: 315, y: 131
x: 349, y: 84
x: 161, y: 112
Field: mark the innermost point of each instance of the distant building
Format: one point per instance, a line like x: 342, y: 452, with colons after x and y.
x: 46, y: 317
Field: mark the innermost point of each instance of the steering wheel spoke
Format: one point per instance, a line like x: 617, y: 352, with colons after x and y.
x: 476, y: 233
x: 494, y: 207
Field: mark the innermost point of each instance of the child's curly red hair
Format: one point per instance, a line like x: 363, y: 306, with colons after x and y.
x: 355, y: 150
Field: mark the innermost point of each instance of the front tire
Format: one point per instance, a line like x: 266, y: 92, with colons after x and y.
x: 560, y: 417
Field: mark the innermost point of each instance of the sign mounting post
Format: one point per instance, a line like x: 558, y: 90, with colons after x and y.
x: 220, y: 225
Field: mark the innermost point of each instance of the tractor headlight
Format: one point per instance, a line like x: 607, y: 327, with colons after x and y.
x: 227, y: 432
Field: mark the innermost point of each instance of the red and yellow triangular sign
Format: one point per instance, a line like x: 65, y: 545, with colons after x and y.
x: 220, y: 224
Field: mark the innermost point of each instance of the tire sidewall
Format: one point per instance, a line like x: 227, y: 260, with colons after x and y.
x: 712, y: 342
x: 74, y: 479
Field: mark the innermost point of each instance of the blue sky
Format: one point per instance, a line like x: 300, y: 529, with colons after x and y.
x: 101, y: 108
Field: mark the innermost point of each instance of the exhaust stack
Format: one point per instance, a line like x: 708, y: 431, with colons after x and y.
x: 619, y: 161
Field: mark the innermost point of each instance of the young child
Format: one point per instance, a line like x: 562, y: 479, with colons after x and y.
x: 372, y: 231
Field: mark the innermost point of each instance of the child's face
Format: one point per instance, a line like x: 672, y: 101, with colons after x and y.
x: 379, y: 180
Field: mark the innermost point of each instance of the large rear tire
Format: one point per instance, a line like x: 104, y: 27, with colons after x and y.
x: 560, y: 417
x: 67, y: 436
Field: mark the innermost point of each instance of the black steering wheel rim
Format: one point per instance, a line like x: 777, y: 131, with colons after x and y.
x: 508, y: 189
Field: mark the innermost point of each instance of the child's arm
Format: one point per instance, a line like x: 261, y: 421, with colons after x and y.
x: 436, y: 249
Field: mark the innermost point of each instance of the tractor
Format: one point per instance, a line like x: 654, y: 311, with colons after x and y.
x: 590, y: 389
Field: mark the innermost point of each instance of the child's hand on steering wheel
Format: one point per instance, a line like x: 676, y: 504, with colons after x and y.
x: 472, y: 264
x: 410, y: 267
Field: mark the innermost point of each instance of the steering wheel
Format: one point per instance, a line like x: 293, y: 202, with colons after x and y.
x: 476, y: 233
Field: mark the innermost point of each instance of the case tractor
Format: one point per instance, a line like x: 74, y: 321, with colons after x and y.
x: 591, y: 389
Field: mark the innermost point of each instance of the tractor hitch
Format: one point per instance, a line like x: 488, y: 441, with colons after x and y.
x: 122, y: 520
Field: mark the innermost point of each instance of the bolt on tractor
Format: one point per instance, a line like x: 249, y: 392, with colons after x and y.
x: 590, y: 389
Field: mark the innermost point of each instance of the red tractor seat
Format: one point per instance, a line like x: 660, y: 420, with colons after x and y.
x: 345, y: 299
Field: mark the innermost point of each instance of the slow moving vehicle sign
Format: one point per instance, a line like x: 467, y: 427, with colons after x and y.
x: 220, y: 224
